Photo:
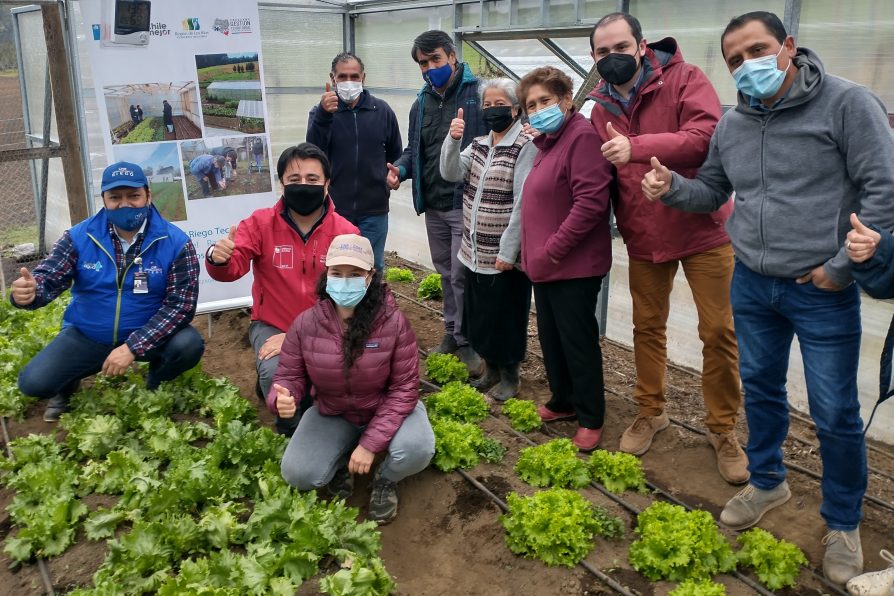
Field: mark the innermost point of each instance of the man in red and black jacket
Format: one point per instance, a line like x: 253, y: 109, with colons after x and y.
x: 285, y: 248
x: 652, y: 103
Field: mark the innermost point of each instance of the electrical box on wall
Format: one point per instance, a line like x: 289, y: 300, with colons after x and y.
x: 126, y: 22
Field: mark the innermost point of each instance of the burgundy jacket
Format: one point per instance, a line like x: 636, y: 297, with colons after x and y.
x: 565, y: 206
x: 671, y: 117
x: 381, y: 388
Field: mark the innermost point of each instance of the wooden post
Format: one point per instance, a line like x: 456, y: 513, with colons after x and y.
x: 66, y: 113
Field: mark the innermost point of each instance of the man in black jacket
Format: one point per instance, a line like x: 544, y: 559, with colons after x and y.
x: 450, y: 90
x: 360, y: 135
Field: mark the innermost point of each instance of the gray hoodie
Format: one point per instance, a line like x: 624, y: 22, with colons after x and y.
x: 798, y: 171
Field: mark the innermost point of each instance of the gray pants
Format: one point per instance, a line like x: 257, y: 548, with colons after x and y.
x: 445, y: 233
x: 258, y: 333
x: 323, y: 444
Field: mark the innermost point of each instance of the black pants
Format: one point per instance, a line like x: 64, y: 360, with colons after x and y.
x: 569, y: 338
x: 495, y: 316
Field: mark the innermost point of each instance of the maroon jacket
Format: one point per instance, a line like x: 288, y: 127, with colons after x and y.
x: 672, y: 117
x: 380, y: 389
x: 565, y: 206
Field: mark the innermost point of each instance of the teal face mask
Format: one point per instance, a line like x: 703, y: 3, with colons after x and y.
x: 759, y: 77
x: 548, y: 119
x: 346, y: 291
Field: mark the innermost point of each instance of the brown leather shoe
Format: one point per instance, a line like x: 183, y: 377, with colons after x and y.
x: 637, y: 439
x: 732, y: 463
x: 587, y: 439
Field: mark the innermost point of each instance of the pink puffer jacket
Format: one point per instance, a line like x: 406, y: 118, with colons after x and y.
x: 380, y: 389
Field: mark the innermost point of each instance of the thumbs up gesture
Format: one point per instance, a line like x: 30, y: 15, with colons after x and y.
x: 617, y: 148
x: 392, y: 179
x: 24, y: 289
x: 285, y: 403
x: 657, y: 181
x: 457, y: 125
x: 329, y: 100
x: 223, y: 248
x: 861, y: 242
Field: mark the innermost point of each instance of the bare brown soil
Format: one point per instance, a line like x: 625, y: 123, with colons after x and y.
x: 447, y: 539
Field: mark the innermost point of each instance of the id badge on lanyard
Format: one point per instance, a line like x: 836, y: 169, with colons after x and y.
x: 140, y: 279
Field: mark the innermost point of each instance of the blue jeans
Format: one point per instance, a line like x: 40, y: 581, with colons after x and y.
x: 768, y: 312
x: 375, y: 229
x: 72, y: 356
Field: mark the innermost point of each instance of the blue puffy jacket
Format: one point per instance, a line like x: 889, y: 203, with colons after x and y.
x: 104, y: 308
x: 876, y: 276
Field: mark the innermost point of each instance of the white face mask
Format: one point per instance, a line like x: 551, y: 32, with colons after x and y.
x: 349, y: 91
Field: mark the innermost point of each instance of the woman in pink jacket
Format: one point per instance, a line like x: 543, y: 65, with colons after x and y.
x: 359, y: 354
x: 566, y: 249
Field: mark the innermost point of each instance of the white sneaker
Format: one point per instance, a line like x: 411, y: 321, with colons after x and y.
x: 875, y: 583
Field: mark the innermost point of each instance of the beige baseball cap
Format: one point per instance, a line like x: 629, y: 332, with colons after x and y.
x: 350, y: 249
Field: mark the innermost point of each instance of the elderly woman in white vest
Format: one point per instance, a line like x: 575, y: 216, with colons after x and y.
x: 498, y: 294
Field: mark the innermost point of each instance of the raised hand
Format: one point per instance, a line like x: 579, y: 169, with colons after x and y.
x: 861, y: 242
x: 392, y: 179
x: 657, y: 181
x: 329, y: 100
x: 617, y: 148
x: 24, y: 289
x: 457, y: 125
x: 223, y: 248
x: 285, y: 403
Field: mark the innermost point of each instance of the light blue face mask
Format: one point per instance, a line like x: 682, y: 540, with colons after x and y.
x: 548, y: 119
x: 759, y: 77
x: 346, y: 291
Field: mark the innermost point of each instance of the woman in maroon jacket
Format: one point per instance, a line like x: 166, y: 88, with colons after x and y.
x: 359, y: 354
x: 566, y: 249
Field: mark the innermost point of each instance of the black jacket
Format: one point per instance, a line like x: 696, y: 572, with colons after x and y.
x: 168, y: 113
x: 359, y: 142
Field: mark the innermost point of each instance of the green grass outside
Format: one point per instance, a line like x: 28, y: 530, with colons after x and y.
x: 168, y: 199
x: 224, y: 72
x: 20, y: 235
x: 8, y: 74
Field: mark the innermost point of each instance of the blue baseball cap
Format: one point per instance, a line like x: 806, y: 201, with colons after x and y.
x: 123, y: 173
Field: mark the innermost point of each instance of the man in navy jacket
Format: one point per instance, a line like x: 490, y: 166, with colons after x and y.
x: 360, y: 135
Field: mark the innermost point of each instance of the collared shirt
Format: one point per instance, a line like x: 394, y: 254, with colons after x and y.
x: 125, y: 244
x: 633, y: 90
x: 55, y: 274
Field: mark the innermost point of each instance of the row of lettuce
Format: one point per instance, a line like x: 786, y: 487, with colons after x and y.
x: 559, y: 526
x: 181, y: 483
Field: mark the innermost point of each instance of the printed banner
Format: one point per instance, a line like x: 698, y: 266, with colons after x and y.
x: 180, y: 91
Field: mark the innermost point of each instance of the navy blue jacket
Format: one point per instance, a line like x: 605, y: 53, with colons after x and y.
x: 410, y: 163
x: 876, y: 276
x: 359, y: 141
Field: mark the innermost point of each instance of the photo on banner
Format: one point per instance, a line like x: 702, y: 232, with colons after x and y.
x: 180, y: 91
x: 161, y: 164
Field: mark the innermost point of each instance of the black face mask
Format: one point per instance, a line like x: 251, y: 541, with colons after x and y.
x: 617, y: 69
x: 497, y: 118
x: 303, y: 199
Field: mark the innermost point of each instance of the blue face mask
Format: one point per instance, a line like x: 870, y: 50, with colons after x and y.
x: 128, y: 218
x: 548, y: 119
x: 438, y: 77
x: 759, y: 77
x: 346, y: 291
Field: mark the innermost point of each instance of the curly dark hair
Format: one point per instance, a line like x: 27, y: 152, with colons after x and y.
x: 360, y: 325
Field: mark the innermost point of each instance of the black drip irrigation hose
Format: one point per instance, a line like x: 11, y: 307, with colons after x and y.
x: 881, y: 503
x: 41, y: 563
